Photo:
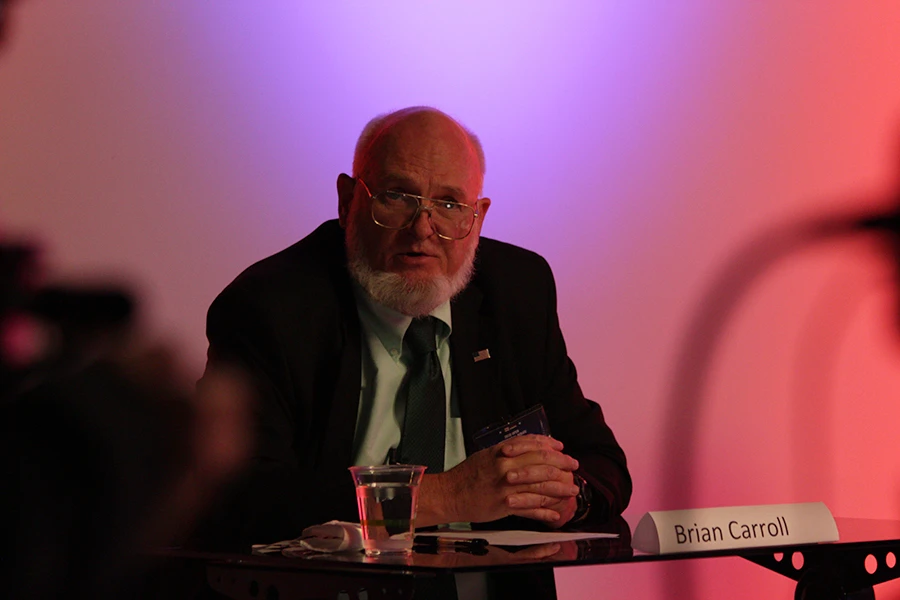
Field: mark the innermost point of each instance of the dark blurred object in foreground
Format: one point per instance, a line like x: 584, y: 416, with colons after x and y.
x: 46, y: 330
x: 104, y: 450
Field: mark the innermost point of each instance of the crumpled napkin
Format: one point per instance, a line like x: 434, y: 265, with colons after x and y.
x: 333, y: 536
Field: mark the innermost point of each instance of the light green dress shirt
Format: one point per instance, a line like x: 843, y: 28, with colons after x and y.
x: 385, y: 362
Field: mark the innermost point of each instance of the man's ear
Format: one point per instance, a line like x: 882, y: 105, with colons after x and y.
x: 346, y: 186
x: 483, y: 205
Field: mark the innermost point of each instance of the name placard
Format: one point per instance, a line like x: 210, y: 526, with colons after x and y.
x: 669, y: 531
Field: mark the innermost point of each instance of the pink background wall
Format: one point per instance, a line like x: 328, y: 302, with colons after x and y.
x: 640, y: 146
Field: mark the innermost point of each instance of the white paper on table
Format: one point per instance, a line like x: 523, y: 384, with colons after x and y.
x: 519, y: 538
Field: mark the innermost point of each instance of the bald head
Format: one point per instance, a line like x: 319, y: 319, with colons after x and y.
x: 383, y: 133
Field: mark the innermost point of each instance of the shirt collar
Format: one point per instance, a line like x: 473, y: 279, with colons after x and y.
x: 389, y: 326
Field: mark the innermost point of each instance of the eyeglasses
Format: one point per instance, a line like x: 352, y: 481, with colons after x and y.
x: 397, y: 210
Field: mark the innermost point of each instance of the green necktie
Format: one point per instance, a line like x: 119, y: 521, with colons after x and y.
x: 425, y: 422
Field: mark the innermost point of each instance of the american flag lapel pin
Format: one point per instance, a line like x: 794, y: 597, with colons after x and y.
x: 481, y: 355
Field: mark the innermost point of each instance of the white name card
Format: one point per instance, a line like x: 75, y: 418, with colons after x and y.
x: 665, y: 532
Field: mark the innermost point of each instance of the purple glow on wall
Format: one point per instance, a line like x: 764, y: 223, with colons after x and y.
x: 563, y: 100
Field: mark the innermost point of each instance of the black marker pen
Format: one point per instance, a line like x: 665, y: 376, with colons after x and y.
x: 449, y: 543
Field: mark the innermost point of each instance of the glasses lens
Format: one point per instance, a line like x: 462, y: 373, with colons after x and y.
x: 393, y: 210
x: 452, y: 220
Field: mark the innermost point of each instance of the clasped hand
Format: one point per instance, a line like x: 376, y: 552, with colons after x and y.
x: 527, y: 476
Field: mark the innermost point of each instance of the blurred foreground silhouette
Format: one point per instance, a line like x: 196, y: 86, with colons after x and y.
x: 106, y: 450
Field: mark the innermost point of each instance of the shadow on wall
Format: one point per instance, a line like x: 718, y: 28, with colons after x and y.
x: 706, y: 325
x: 5, y: 6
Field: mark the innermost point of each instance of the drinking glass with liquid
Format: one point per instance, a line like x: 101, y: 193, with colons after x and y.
x: 387, y: 497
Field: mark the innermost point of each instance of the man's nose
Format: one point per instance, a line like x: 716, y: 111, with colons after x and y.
x: 422, y: 225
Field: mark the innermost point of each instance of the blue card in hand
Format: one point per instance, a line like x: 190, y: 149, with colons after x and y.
x: 533, y: 420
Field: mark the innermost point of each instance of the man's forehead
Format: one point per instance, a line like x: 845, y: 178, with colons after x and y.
x: 428, y: 144
x: 440, y: 183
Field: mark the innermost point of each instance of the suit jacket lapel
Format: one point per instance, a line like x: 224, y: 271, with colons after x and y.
x: 337, y: 444
x: 477, y: 384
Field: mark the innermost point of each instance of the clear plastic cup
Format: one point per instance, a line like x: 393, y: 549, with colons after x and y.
x: 387, y: 497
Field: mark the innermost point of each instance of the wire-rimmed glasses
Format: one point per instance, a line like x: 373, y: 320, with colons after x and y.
x: 398, y: 210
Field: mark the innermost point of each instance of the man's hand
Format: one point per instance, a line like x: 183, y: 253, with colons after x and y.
x: 527, y: 476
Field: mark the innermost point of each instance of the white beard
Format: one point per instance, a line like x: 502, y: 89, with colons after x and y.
x: 411, y: 297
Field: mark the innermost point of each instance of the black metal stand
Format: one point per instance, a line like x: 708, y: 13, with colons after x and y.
x: 835, y: 572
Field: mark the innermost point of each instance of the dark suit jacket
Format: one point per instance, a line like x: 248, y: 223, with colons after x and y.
x: 291, y: 320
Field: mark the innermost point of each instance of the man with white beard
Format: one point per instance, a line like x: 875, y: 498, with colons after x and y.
x: 322, y: 327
